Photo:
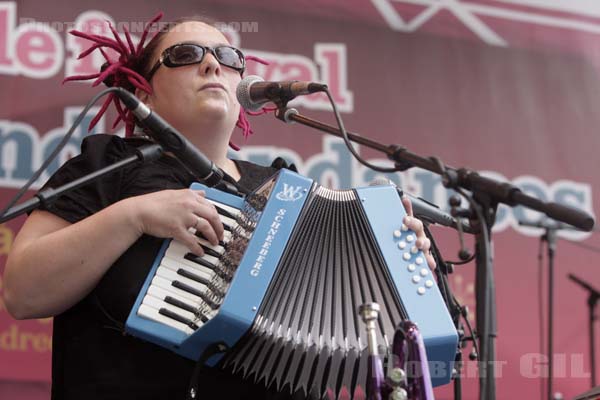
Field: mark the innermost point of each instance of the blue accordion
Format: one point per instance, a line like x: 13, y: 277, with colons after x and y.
x: 283, y: 288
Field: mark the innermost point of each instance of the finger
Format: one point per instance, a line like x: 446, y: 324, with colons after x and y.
x: 190, y: 240
x: 209, y: 213
x: 407, y: 205
x: 430, y: 261
x: 415, y: 225
x: 423, y: 244
x: 200, y: 193
x: 206, y: 229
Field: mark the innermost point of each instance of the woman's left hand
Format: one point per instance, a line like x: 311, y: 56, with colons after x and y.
x: 423, y: 243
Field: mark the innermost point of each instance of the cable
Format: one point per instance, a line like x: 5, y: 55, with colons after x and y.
x: 583, y: 245
x: 56, y: 151
x: 468, y: 260
x: 349, y: 145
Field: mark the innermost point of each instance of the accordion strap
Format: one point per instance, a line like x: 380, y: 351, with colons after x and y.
x: 211, y: 350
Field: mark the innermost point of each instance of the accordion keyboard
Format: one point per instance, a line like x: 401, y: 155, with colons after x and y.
x: 186, y: 289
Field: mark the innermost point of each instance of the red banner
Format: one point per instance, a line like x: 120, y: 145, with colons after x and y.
x: 508, y: 87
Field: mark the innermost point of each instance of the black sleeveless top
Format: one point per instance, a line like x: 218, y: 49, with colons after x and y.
x: 92, y: 357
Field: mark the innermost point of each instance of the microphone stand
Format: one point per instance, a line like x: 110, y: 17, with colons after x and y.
x: 551, y: 229
x: 46, y: 197
x: 487, y: 194
x: 593, y: 297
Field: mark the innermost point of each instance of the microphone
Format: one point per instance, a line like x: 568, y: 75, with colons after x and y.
x: 425, y: 210
x: 171, y: 140
x: 253, y: 92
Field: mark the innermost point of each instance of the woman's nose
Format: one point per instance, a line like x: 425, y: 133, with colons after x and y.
x: 210, y: 64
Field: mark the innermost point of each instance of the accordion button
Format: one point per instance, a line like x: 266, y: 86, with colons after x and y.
x: 416, y: 279
x: 424, y: 272
x: 404, y: 228
x: 402, y: 244
x: 419, y: 260
x: 397, y: 233
x: 421, y: 290
x: 412, y: 267
x: 414, y: 250
x: 406, y: 256
x: 428, y: 283
x: 410, y: 238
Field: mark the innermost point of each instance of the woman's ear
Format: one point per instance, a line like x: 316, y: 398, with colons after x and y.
x: 144, y: 97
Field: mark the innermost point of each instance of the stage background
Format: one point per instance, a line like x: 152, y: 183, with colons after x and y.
x: 508, y: 87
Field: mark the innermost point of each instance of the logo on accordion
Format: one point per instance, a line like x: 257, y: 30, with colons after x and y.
x: 289, y: 193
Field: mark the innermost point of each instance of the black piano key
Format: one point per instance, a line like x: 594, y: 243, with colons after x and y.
x: 227, y: 227
x: 210, y: 252
x: 201, y: 261
x: 192, y: 276
x: 187, y: 307
x: 180, y: 304
x: 177, y: 317
x: 224, y: 212
x: 201, y: 236
x: 197, y: 278
x: 195, y: 292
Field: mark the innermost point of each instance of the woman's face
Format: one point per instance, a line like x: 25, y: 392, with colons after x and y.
x: 193, y: 95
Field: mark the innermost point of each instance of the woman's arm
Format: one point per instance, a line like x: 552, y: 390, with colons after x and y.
x: 54, y: 264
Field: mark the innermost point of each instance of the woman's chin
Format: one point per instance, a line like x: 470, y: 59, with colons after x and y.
x: 214, y: 109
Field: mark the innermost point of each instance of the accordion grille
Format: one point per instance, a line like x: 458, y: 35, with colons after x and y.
x: 308, y: 338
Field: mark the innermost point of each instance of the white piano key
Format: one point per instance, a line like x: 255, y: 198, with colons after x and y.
x: 153, y: 314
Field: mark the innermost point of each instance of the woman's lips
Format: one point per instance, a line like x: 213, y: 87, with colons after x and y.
x: 212, y: 86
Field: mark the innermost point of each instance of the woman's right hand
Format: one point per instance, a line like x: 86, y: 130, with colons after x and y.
x: 171, y: 214
x: 72, y: 263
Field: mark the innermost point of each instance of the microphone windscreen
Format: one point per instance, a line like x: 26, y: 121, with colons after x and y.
x: 243, y: 93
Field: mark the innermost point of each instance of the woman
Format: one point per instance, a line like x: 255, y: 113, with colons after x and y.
x: 83, y: 261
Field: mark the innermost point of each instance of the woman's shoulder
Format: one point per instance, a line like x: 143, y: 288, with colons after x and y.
x: 107, y: 144
x: 253, y: 175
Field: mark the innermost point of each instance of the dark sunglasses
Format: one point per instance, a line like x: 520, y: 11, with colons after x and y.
x: 183, y: 54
